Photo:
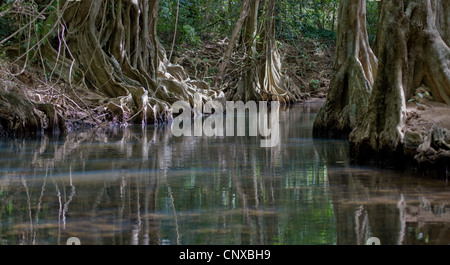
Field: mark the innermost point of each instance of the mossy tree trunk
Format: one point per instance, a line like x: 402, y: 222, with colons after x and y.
x: 411, y: 53
x: 428, y: 42
x: 354, y: 71
x: 113, y: 45
x: 443, y: 20
x: 115, y: 48
x: 368, y: 93
x: 381, y: 128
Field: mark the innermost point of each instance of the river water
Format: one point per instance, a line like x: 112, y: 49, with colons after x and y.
x: 145, y: 186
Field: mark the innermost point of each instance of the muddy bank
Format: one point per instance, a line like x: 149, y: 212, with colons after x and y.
x: 425, y: 146
x: 31, y: 105
x: 427, y: 135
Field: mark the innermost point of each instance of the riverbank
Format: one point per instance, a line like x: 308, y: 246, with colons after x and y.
x: 427, y: 135
x: 426, y: 143
x: 31, y: 105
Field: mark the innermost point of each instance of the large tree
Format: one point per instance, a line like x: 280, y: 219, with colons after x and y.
x: 381, y: 128
x: 261, y: 77
x: 368, y: 93
x: 412, y: 52
x: 116, y: 47
x: 109, y: 52
x: 354, y: 72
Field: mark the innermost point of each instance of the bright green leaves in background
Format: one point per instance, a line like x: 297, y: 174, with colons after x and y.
x: 215, y: 19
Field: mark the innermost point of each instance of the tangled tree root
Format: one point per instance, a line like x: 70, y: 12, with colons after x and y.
x: 97, y: 71
x: 435, y: 147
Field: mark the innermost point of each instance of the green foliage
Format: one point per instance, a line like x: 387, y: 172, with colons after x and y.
x: 8, y: 23
x: 197, y: 20
x: 314, y: 84
x: 215, y: 19
x: 43, y: 26
x: 372, y: 19
x: 314, y: 19
x: 317, y: 33
x: 213, y: 71
x: 6, y: 27
x: 14, y: 17
x: 418, y: 97
x: 189, y: 36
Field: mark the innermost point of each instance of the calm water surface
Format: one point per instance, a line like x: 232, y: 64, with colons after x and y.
x: 145, y: 186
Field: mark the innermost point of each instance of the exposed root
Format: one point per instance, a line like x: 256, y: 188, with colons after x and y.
x: 96, y: 72
x: 435, y: 147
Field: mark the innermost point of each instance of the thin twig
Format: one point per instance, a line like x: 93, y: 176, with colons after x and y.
x: 175, y: 32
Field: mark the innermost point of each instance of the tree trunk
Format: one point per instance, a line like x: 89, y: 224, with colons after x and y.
x: 381, y: 129
x: 271, y: 78
x: 428, y: 41
x: 237, y: 29
x: 262, y: 78
x: 354, y: 70
x: 429, y: 54
x: 114, y: 45
x: 442, y: 10
x: 411, y: 53
x: 247, y: 87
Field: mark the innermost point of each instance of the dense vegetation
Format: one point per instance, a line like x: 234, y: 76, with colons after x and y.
x: 211, y: 19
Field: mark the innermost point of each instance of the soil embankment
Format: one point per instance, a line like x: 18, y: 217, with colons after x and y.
x: 427, y: 134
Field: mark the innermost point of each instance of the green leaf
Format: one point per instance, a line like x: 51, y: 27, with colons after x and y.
x: 411, y: 100
x: 420, y: 95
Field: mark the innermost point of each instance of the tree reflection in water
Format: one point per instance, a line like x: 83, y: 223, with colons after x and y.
x: 144, y: 186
